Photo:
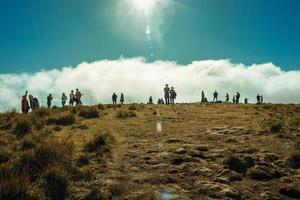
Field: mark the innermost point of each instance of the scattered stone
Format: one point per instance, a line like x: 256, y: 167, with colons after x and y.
x: 202, y: 148
x: 227, y: 192
x: 293, y: 161
x: 257, y: 173
x: 270, y: 157
x: 181, y: 151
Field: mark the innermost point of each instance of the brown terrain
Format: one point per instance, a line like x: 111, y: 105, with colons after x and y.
x: 185, y: 151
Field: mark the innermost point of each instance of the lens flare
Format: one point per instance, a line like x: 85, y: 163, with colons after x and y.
x: 144, y: 4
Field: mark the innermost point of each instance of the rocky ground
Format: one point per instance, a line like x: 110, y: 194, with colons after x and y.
x: 185, y: 151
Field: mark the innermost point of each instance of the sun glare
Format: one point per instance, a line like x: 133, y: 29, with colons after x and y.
x: 144, y: 4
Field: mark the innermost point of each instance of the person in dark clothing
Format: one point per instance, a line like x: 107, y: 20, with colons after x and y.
x: 167, y: 94
x: 172, y: 95
x: 215, y: 96
x: 246, y: 101
x: 150, y: 100
x: 72, y: 98
x: 238, y: 97
x: 114, y: 98
x: 261, y: 99
x: 49, y: 100
x: 202, y: 96
x: 122, y: 98
x: 36, y: 103
x: 227, y: 98
x: 258, y: 99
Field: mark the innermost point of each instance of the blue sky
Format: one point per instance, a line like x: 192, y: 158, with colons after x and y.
x: 49, y: 34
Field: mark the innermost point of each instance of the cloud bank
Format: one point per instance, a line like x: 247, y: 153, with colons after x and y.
x: 138, y: 80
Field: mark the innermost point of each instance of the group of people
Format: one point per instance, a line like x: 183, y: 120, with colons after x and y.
x: 170, y: 95
x: 260, y: 99
x: 115, y: 98
x: 33, y: 104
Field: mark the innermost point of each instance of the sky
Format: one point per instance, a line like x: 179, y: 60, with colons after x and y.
x: 46, y: 37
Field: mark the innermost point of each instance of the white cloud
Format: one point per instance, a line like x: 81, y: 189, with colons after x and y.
x: 138, y: 80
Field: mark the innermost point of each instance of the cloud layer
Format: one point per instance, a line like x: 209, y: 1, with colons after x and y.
x: 138, y: 80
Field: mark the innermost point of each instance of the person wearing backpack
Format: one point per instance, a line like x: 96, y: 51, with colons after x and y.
x: 172, y: 95
x: 24, y: 104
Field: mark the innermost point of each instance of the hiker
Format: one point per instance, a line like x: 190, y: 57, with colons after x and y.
x: 167, y: 94
x: 215, y: 96
x: 24, y: 104
x: 31, y: 103
x: 78, y: 96
x: 205, y: 100
x: 36, y: 104
x: 49, y: 100
x: 114, y: 98
x: 72, y: 98
x: 122, y: 99
x: 63, y: 99
x: 202, y: 96
x: 246, y: 100
x: 172, y: 95
x: 227, y: 98
x: 150, y: 100
x: 258, y: 99
x: 238, y: 97
x: 261, y: 99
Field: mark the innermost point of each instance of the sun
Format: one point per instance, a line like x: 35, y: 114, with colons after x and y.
x: 144, y: 4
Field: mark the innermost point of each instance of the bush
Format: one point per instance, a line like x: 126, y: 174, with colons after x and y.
x: 133, y: 107
x: 57, y: 184
x: 101, y: 106
x: 41, y: 112
x: 27, y: 144
x: 14, y: 186
x: 89, y: 113
x: 83, y: 160
x: 235, y: 164
x: 23, y: 126
x: 275, y: 126
x: 293, y: 160
x: 47, y: 153
x: 101, y: 144
x: 122, y: 114
x: 63, y: 120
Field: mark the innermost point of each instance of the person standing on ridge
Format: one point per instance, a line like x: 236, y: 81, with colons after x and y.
x: 238, y: 97
x: 150, y: 100
x: 167, y: 94
x: 258, y: 99
x: 202, y: 96
x: 172, y: 95
x: 227, y: 98
x: 114, y: 98
x: 24, y: 104
x: 215, y: 96
x: 122, y: 99
x: 63, y: 99
x: 261, y: 99
x: 78, y: 96
x: 49, y: 100
x: 72, y: 98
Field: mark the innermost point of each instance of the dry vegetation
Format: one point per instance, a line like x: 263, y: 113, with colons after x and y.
x: 203, y: 151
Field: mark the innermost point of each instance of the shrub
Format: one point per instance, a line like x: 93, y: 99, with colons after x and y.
x: 122, y: 114
x: 27, y: 144
x: 101, y: 144
x: 133, y: 107
x: 83, y: 160
x: 47, y: 153
x: 14, y: 186
x: 57, y: 184
x: 234, y: 163
x: 23, y: 126
x: 101, y: 106
x: 63, y: 120
x: 89, y: 113
x: 293, y: 160
x: 275, y: 126
x: 41, y: 112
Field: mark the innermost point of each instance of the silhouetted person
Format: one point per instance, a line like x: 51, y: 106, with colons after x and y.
x: 167, y: 94
x: 36, y: 103
x: 63, y: 99
x: 78, y: 96
x: 227, y: 98
x: 238, y: 97
x: 31, y: 103
x: 172, y: 95
x: 202, y: 96
x: 122, y: 99
x: 258, y: 99
x: 24, y: 103
x: 49, y: 100
x: 150, y: 100
x: 215, y: 96
x: 261, y: 99
x: 246, y: 100
x: 114, y: 98
x: 72, y: 98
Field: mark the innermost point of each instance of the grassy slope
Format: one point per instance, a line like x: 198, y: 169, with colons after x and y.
x: 186, y: 157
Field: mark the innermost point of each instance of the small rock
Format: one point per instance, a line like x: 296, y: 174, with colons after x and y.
x: 235, y: 164
x: 227, y: 192
x: 256, y: 173
x: 181, y: 151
